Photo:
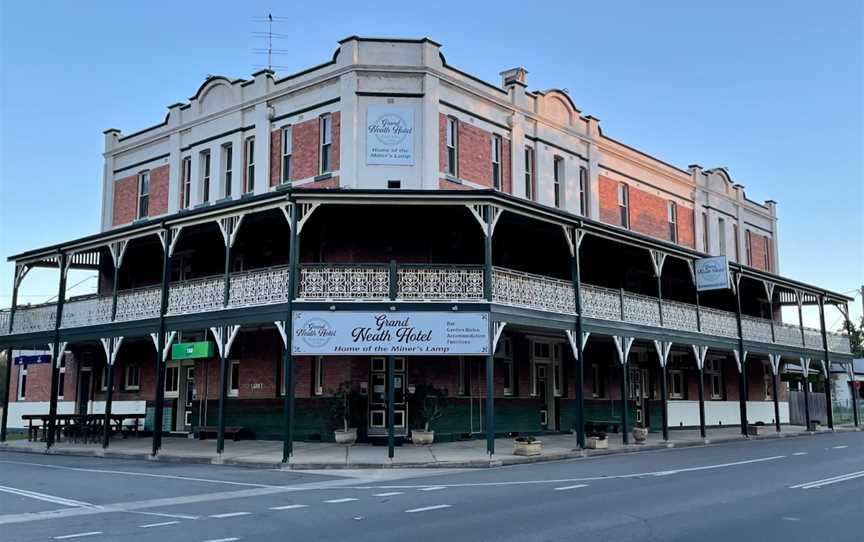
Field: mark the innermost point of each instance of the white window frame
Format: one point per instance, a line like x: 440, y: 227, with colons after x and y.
x: 227, y: 167
x: 186, y: 169
x: 128, y: 384
x: 205, y: 176
x: 22, y: 382
x: 673, y: 374
x: 103, y: 378
x: 144, y: 194
x: 558, y: 181
x: 233, y: 383
x: 496, y: 161
x: 249, y: 153
x: 325, y: 154
x: 672, y: 220
x: 624, y: 205
x: 61, y: 378
x: 529, y: 172
x: 714, y: 370
x: 318, y: 376
x: 598, y: 390
x: 172, y: 388
x: 452, y: 142
x: 583, y: 190
x: 287, y: 152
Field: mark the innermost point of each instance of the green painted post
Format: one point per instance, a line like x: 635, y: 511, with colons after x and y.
x: 702, y: 400
x: 827, y: 364
x: 664, y: 398
x: 288, y: 406
x: 391, y: 369
x: 160, y: 344
x: 490, y: 404
x: 578, y: 369
x: 6, y: 393
x: 109, y: 395
x: 55, y: 370
x: 742, y: 377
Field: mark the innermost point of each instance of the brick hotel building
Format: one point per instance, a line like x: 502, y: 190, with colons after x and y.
x: 258, y: 198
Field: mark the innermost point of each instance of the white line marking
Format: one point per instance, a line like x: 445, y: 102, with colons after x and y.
x: 288, y: 507
x: 222, y: 540
x: 388, y: 494
x: 164, y: 523
x: 77, y: 535
x: 828, y: 481
x: 178, y: 516
x: 43, y: 497
x: 337, y: 501
x: 230, y: 515
x: 433, y: 488
x: 427, y: 508
x: 840, y: 447
x: 800, y: 453
x: 565, y: 488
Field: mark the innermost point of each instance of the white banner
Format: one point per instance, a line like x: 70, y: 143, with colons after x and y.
x: 391, y: 333
x: 712, y: 273
x: 390, y: 135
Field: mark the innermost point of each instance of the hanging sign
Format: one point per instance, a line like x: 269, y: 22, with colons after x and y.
x: 32, y: 360
x: 390, y: 135
x: 711, y: 273
x: 390, y: 333
x: 195, y: 350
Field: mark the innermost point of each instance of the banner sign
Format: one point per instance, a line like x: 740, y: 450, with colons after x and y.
x: 196, y: 350
x: 391, y: 333
x: 390, y: 135
x: 32, y: 360
x: 712, y: 273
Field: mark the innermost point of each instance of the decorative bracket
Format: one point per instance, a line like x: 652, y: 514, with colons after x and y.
x: 571, y: 338
x: 658, y: 258
x: 229, y: 226
x: 774, y: 361
x: 700, y: 352
x: 281, y: 326
x: 622, y: 347
x: 487, y: 220
x: 167, y: 348
x: 498, y: 328
x: 111, y: 346
x: 306, y: 210
x: 690, y: 267
x: 738, y: 361
x: 663, y: 348
x: 223, y: 343
x: 170, y: 241
x: 56, y: 359
x: 118, y: 250
x: 21, y: 272
x: 769, y: 289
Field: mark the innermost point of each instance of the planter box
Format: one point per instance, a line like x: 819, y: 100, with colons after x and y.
x: 348, y: 437
x: 755, y: 430
x: 595, y: 443
x: 640, y: 435
x: 422, y: 438
x: 527, y: 448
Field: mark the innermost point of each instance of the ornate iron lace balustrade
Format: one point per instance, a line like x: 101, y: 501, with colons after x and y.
x: 787, y: 334
x: 197, y: 295
x: 4, y: 321
x: 439, y: 282
x: 813, y: 338
x: 641, y: 309
x: 680, y: 316
x: 721, y: 323
x: 138, y: 303
x: 839, y: 342
x: 259, y: 287
x: 88, y: 311
x: 34, y: 318
x: 601, y: 303
x: 756, y: 329
x: 532, y: 291
x: 344, y: 282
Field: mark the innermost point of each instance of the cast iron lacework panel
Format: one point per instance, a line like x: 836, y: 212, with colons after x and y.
x: 756, y: 329
x: 4, y: 322
x: 601, y: 303
x: 33, y: 319
x: 138, y: 304
x: 532, y: 291
x: 813, y: 338
x: 259, y: 287
x: 197, y: 295
x: 787, y: 334
x: 641, y: 309
x: 721, y: 323
x: 88, y: 311
x: 679, y: 316
x: 435, y: 283
x: 344, y: 282
x: 839, y: 343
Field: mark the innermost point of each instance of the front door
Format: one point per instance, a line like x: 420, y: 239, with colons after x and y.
x: 377, y: 417
x: 543, y: 394
x: 188, y: 393
x: 84, y: 381
x: 639, y: 394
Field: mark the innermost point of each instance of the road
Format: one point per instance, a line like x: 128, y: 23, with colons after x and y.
x: 808, y: 488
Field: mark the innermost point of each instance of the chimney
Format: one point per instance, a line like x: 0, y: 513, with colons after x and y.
x: 514, y: 76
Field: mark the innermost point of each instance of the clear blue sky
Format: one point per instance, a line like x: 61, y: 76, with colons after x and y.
x: 771, y: 90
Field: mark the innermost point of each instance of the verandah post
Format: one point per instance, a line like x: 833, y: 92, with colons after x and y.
x: 391, y: 418
x: 805, y: 371
x: 578, y: 365
x: 55, y: 364
x: 167, y: 238
x: 742, y: 369
x: 6, y: 393
x: 109, y: 394
x: 774, y: 387
x: 702, y: 400
x: 490, y: 358
x: 826, y: 364
x: 223, y: 388
x: 288, y: 414
x: 624, y: 398
x: 664, y: 398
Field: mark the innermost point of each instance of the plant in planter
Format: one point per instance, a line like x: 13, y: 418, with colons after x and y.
x: 640, y: 434
x: 431, y: 405
x: 527, y: 446
x: 597, y: 440
x: 340, y: 413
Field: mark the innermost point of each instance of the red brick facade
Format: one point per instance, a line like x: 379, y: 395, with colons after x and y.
x: 609, y: 201
x: 686, y: 228
x: 474, y: 155
x: 305, y: 142
x: 158, y: 204
x: 759, y: 244
x: 125, y: 200
x: 276, y: 157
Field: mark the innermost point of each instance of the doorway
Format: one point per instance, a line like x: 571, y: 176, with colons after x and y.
x: 377, y: 414
x: 640, y: 394
x: 85, y: 381
x: 547, y: 380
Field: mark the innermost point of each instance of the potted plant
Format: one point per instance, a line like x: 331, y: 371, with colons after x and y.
x: 431, y: 404
x: 640, y: 434
x: 340, y: 413
x: 527, y: 446
x: 597, y: 441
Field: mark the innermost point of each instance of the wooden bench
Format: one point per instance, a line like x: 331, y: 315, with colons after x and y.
x: 231, y: 431
x: 603, y: 425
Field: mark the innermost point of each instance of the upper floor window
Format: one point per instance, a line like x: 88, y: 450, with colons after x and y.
x: 205, y: 176
x: 326, y: 128
x: 529, y: 173
x: 496, y: 162
x: 558, y: 180
x: 672, y: 218
x: 624, y: 204
x: 227, y: 161
x: 452, y: 145
x: 143, y: 194
x: 748, y: 246
x: 287, y: 149
x: 583, y: 190
x: 766, y: 248
x: 250, y: 165
x: 721, y: 234
x: 737, y: 242
x: 187, y: 181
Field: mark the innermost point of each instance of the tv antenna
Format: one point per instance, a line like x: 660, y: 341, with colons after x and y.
x: 268, y: 36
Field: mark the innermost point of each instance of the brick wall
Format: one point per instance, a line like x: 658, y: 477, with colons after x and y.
x: 125, y: 200
x: 158, y: 204
x: 686, y: 228
x: 506, y: 177
x: 758, y: 245
x: 305, y: 141
x: 609, y: 201
x: 474, y: 154
x: 275, y: 157
x: 442, y: 143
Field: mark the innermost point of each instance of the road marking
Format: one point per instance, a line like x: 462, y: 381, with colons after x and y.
x: 77, y: 535
x: 565, y: 488
x: 433, y: 488
x: 388, y: 494
x: 230, y: 515
x: 791, y: 519
x: 337, y: 501
x: 828, y: 481
x: 178, y: 516
x: 222, y: 540
x: 427, y: 508
x: 43, y: 497
x: 840, y: 447
x: 164, y: 523
x: 800, y: 453
x: 288, y: 507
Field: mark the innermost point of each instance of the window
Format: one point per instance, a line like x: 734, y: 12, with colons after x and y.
x: 672, y: 218
x: 737, y: 243
x: 558, y: 179
x: 22, y: 382
x: 452, y: 145
x: 505, y: 353
x: 676, y: 384
x: 103, y: 378
x: 61, y: 377
x: 287, y: 149
x: 234, y: 379
x: 705, y: 238
x: 766, y: 249
x: 624, y: 204
x: 228, y: 159
x: 496, y: 162
x: 583, y: 191
x: 748, y: 246
x: 172, y: 381
x: 318, y: 376
x: 250, y: 165
x: 557, y: 376
x: 508, y: 377
x: 529, y: 173
x: 143, y: 194
x: 768, y: 381
x: 205, y: 176
x: 713, y: 368
x: 187, y: 182
x: 132, y: 378
x: 463, y: 380
x: 325, y: 125
x: 598, y: 386
x: 394, y: 184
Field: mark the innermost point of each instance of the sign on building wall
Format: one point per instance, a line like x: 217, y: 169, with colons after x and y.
x: 390, y: 333
x: 195, y: 350
x: 32, y: 360
x: 390, y: 135
x: 712, y: 273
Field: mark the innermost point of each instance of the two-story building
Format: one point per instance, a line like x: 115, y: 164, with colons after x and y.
x: 383, y: 229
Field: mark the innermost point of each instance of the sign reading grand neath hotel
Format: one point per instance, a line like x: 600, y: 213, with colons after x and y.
x: 390, y: 135
x: 711, y: 273
x: 391, y: 333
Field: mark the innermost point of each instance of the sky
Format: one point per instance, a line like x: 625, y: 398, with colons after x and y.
x: 774, y: 91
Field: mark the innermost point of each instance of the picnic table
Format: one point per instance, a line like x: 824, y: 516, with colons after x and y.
x: 76, y: 426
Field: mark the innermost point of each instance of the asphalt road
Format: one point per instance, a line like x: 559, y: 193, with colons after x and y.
x: 809, y: 488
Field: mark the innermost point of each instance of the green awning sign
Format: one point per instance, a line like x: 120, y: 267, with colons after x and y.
x: 192, y: 350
